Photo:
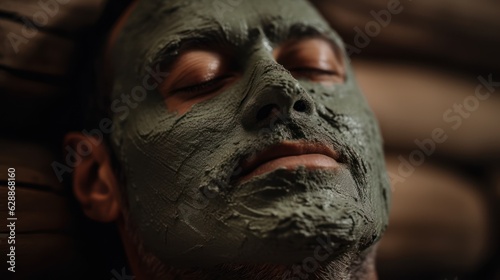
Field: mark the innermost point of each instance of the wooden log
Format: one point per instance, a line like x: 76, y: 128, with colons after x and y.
x: 15, y: 86
x: 439, y: 223
x: 33, y: 50
x: 68, y: 15
x: 38, y: 211
x: 32, y: 163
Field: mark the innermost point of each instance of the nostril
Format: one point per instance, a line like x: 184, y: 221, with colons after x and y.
x: 300, y: 106
x: 266, y: 111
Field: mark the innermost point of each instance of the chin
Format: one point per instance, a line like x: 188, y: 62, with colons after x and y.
x: 288, y: 216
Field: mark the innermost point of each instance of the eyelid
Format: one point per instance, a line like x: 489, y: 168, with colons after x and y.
x: 311, y: 56
x: 194, y: 68
x: 315, y: 69
x: 186, y: 79
x: 206, y: 83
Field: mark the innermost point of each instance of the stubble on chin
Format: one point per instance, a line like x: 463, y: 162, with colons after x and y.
x: 356, y: 267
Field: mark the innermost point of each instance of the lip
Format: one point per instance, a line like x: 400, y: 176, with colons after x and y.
x: 288, y: 155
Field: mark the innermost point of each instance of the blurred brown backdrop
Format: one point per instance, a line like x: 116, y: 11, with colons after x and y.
x: 418, y: 62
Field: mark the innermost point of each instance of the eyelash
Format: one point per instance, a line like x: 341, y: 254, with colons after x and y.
x: 309, y: 70
x: 201, y: 87
x: 212, y: 85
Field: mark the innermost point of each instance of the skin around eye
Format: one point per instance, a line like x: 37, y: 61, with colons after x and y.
x: 313, y: 59
x: 200, y: 74
x: 196, y: 76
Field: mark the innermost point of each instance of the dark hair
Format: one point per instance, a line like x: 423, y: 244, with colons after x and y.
x: 93, y: 101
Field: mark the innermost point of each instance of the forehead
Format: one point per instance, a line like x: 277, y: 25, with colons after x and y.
x: 236, y: 20
x: 156, y: 29
x: 230, y: 12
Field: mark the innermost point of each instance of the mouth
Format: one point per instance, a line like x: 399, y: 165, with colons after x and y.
x: 290, y: 156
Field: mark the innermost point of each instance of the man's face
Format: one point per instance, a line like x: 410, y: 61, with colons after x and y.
x: 252, y: 143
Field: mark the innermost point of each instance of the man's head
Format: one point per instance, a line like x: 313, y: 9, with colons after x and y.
x: 242, y: 135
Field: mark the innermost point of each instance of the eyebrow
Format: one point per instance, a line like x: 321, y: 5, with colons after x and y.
x: 294, y: 31
x: 214, y: 36
x: 301, y: 31
x: 203, y: 38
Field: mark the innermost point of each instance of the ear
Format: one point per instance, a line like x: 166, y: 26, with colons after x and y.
x: 94, y: 183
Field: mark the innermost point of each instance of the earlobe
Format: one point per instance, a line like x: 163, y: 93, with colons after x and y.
x: 94, y: 183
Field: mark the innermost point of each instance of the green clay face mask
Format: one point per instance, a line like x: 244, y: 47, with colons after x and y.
x: 183, y: 171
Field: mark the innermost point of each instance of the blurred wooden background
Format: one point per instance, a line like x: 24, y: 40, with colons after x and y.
x: 444, y: 219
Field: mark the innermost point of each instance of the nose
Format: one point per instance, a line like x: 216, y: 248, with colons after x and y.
x: 275, y: 94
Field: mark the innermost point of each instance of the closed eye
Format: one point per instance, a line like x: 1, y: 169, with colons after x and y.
x: 316, y: 74
x: 312, y: 71
x: 203, y: 87
x: 313, y: 59
x: 196, y: 76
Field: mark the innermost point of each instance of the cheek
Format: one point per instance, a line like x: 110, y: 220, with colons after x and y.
x: 343, y: 109
x: 176, y: 142
x: 181, y: 106
x: 340, y: 99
